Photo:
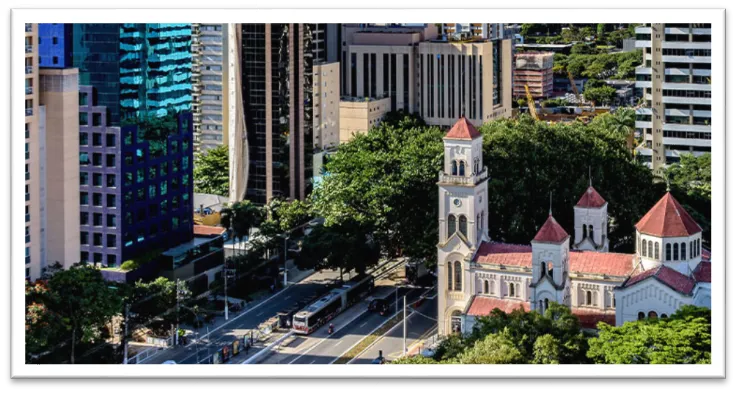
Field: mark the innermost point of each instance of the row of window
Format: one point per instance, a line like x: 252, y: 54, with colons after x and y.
x: 686, y: 52
x: 84, y: 159
x: 650, y: 250
x: 97, y: 179
x: 84, y: 199
x: 111, y: 222
x: 650, y: 315
x: 84, y: 256
x: 110, y: 139
x: 84, y: 239
x: 687, y: 93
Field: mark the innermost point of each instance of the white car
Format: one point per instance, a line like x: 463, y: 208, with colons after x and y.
x: 169, y: 362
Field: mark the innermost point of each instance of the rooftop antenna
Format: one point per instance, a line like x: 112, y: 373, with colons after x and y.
x: 550, y: 210
x: 667, y: 183
x: 589, y: 175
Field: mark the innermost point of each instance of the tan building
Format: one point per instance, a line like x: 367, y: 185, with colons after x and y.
x: 209, y: 85
x: 471, y: 79
x: 34, y: 200
x: 59, y: 97
x: 358, y: 115
x: 326, y: 105
x: 534, y: 70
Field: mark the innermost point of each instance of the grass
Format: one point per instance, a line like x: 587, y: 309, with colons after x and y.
x: 369, y: 340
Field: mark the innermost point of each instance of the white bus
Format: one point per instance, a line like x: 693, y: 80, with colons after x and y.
x: 333, y: 303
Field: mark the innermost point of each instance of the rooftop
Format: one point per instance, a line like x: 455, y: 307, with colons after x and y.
x: 668, y: 219
x: 591, y: 199
x: 483, y: 305
x: 551, y: 232
x: 184, y: 247
x: 670, y: 277
x: 463, y: 129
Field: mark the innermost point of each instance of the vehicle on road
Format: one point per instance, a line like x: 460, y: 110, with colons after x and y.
x: 380, y: 306
x: 333, y: 303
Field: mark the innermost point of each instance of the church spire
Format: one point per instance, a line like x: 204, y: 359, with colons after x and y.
x: 550, y: 210
x: 590, y: 184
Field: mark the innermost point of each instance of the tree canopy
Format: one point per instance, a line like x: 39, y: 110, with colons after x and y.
x: 211, y: 171
x: 241, y: 217
x: 690, y: 182
x: 683, y: 338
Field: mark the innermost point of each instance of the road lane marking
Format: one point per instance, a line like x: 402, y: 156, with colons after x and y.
x: 338, y: 343
x: 313, y: 362
x: 336, y: 331
x: 363, y: 324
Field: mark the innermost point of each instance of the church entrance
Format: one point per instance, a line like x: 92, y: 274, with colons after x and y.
x: 456, y: 322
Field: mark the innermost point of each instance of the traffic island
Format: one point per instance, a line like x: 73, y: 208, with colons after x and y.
x: 369, y: 340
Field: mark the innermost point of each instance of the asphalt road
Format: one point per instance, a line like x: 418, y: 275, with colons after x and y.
x: 240, y: 324
x: 392, y: 343
x: 331, y: 348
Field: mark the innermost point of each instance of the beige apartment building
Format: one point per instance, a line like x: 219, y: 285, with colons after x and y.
x: 534, y: 70
x: 209, y: 85
x: 59, y: 100
x: 33, y: 151
x: 465, y: 78
x: 358, y: 115
x: 326, y: 105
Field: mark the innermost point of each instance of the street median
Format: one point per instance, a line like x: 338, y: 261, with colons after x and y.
x: 369, y: 340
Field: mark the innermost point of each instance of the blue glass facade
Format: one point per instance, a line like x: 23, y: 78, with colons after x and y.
x: 136, y: 69
x: 54, y: 45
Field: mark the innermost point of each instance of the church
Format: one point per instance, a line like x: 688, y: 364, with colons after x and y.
x: 476, y: 275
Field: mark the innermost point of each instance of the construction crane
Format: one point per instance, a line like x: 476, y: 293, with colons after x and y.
x: 531, y: 103
x: 579, y: 98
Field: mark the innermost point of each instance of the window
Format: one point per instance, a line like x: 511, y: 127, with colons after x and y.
x: 591, y: 232
x: 511, y: 290
x: 111, y: 260
x: 110, y: 180
x: 110, y: 140
x: 463, y: 225
x: 110, y: 241
x: 698, y: 247
x: 462, y: 168
x: 84, y: 218
x: 84, y: 238
x: 97, y: 257
x: 96, y: 139
x: 112, y: 221
x: 97, y: 159
x: 543, y: 270
x: 97, y: 199
x: 486, y: 286
x: 110, y: 160
x: 675, y: 251
x: 640, y: 316
x: 650, y: 249
x: 683, y: 251
x: 652, y: 314
x: 111, y: 200
x: 97, y: 179
x: 450, y: 276
x: 657, y: 250
x: 643, y: 249
x: 546, y: 303
x: 454, y: 168
x: 585, y: 232
x: 84, y: 256
x: 451, y: 225
x: 667, y: 252
x: 457, y: 276
x: 97, y: 219
x: 84, y: 178
x: 84, y: 198
x: 97, y: 239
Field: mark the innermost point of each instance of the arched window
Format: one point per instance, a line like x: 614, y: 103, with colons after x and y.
x: 546, y: 303
x: 643, y: 249
x: 690, y: 249
x: 454, y: 168
x: 591, y: 232
x: 541, y: 305
x: 675, y: 252
x: 588, y: 298
x: 640, y: 316
x: 650, y: 249
x: 491, y: 286
x: 463, y: 225
x: 652, y: 314
x: 543, y: 270
x: 457, y: 276
x: 585, y: 232
x: 698, y: 247
x: 667, y: 252
x: 657, y: 250
x: 451, y: 225
x: 486, y: 286
x: 517, y: 291
x: 614, y: 301
x: 550, y: 269
x: 462, y: 168
x: 450, y: 276
x: 478, y: 222
x: 511, y: 290
x: 663, y: 316
x: 683, y: 251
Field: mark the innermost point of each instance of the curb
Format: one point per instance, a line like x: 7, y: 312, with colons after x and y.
x: 262, y: 352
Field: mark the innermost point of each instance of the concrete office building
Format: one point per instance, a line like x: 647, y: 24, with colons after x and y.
x: 534, y: 70
x: 34, y: 151
x: 676, y: 83
x: 326, y: 105
x: 471, y: 79
x: 358, y: 115
x: 209, y: 85
x: 492, y: 31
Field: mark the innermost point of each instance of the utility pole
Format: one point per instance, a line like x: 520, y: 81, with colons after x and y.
x: 404, y: 322
x: 125, y: 335
x: 225, y: 275
x: 286, y: 237
x: 396, y: 300
x: 176, y: 332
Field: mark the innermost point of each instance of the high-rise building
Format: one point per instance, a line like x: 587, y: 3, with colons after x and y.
x: 34, y: 207
x: 535, y: 70
x: 675, y: 118
x: 277, y: 80
x: 490, y: 31
x: 210, y: 85
x: 471, y: 79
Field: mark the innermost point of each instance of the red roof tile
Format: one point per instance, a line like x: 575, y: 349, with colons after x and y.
x: 591, y: 199
x: 589, y: 318
x: 484, y: 305
x: 463, y: 129
x: 590, y: 262
x: 672, y: 278
x: 668, y: 219
x: 551, y: 232
x: 206, y: 230
x: 705, y: 255
x: 702, y: 272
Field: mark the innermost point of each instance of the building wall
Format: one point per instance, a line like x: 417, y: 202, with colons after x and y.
x: 536, y: 71
x: 210, y: 55
x: 55, y: 45
x: 660, y: 255
x: 326, y: 105
x: 645, y: 297
x: 60, y: 97
x: 34, y: 201
x: 357, y: 116
x: 676, y: 81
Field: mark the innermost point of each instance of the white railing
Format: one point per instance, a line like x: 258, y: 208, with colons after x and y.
x: 160, y: 343
x: 470, y: 180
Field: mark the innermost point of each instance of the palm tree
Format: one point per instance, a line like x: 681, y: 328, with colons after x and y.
x: 240, y: 217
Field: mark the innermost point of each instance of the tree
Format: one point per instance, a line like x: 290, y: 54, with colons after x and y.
x: 240, y: 218
x: 385, y: 181
x: 621, y: 123
x: 546, y: 350
x: 528, y: 159
x: 493, y: 349
x: 683, y: 338
x: 601, y: 95
x: 690, y: 182
x: 211, y: 171
x: 83, y: 303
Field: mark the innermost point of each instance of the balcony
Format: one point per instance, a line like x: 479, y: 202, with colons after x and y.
x: 463, y: 180
x: 29, y: 89
x: 28, y: 177
x: 29, y: 48
x: 29, y: 111
x: 29, y: 27
x: 29, y: 70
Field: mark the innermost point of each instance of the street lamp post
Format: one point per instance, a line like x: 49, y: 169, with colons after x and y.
x: 225, y: 276
x: 286, y: 238
x: 176, y: 332
x: 125, y: 336
x: 404, y: 322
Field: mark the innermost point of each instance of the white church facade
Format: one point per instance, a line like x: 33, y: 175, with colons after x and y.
x: 477, y: 275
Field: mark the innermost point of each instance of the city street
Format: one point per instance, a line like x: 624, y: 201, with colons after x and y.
x: 419, y: 326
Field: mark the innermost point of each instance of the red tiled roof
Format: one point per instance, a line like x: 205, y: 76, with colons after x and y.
x: 702, y: 272
x: 206, y: 230
x: 672, y: 278
x: 463, y: 129
x: 668, y: 219
x: 589, y: 318
x: 591, y: 262
x: 705, y: 254
x: 551, y: 232
x: 483, y: 305
x: 591, y: 199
